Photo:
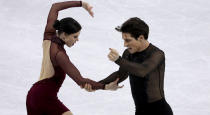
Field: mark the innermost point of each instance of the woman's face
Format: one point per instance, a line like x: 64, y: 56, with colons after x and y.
x: 71, y: 39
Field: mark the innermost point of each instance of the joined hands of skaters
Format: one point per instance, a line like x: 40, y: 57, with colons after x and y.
x: 87, y: 7
x: 113, y: 86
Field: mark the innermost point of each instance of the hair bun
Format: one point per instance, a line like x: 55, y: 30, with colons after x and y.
x: 56, y: 25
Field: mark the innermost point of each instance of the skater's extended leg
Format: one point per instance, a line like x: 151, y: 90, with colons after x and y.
x: 67, y: 113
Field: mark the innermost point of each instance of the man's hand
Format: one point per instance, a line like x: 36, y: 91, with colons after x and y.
x: 113, y: 55
x: 113, y: 85
x: 87, y: 7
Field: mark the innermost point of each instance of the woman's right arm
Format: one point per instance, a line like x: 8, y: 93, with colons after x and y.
x: 53, y: 15
x: 63, y: 61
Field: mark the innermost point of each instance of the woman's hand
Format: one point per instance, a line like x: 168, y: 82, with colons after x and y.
x: 87, y: 7
x: 87, y: 86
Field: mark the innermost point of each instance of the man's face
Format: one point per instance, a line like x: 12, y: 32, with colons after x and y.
x: 131, y: 43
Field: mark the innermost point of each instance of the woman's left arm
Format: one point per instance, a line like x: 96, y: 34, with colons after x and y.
x: 53, y: 15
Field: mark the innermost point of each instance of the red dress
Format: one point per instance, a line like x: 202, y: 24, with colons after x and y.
x: 42, y: 97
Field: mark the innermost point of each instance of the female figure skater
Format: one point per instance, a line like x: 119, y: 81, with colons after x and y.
x: 42, y: 97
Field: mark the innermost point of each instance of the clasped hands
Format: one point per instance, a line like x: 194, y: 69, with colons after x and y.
x: 113, y: 86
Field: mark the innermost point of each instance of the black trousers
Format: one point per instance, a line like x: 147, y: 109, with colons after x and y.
x: 160, y: 107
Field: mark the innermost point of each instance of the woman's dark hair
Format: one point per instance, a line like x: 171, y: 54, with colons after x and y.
x: 67, y: 25
x: 135, y: 27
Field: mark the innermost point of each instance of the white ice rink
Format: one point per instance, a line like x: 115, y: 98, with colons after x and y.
x: 179, y: 27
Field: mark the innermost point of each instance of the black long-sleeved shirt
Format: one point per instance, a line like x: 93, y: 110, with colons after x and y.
x: 146, y: 72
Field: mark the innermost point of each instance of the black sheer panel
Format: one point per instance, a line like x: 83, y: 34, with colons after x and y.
x: 144, y: 68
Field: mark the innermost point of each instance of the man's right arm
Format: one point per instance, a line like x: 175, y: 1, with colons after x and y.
x: 121, y: 73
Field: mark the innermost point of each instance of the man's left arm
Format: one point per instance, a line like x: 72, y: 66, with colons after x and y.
x: 142, y: 69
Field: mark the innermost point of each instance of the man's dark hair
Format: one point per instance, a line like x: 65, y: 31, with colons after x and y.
x: 67, y: 25
x: 136, y: 27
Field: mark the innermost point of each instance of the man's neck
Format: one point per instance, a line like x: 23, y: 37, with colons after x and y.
x: 145, y: 46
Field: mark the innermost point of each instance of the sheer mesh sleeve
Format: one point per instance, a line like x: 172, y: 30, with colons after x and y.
x: 145, y: 67
x: 122, y: 74
x: 63, y: 61
x: 53, y: 15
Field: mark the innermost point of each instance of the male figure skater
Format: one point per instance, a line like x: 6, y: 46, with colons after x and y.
x: 144, y: 63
